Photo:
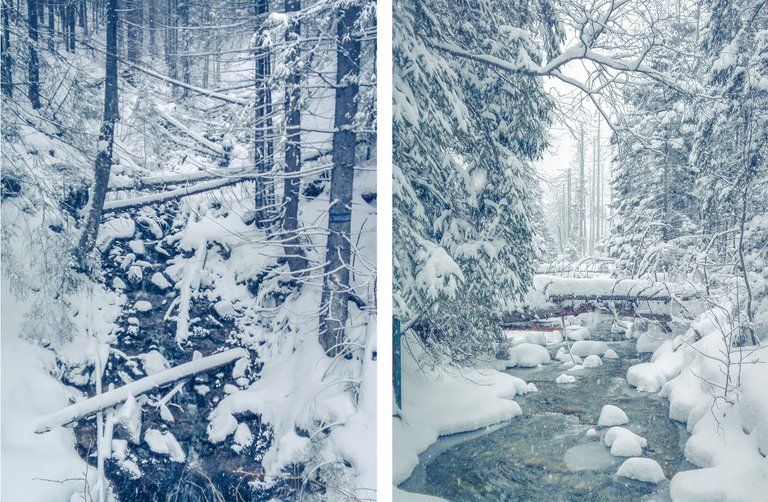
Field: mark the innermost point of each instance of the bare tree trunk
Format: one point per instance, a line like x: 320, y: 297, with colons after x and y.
x: 7, y: 61
x: 103, y: 163
x: 183, y: 8
x: 291, y: 185
x: 171, y: 39
x: 264, y: 147
x: 135, y: 28
x: 335, y: 294
x: 33, y: 88
x: 152, y: 21
x: 71, y: 24
x: 51, y: 25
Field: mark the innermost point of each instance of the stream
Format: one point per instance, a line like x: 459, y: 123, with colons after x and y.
x: 544, y: 454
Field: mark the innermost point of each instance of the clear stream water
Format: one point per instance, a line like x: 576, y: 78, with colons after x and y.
x: 544, y: 454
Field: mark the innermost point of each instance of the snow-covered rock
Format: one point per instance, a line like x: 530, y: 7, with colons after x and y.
x: 592, y: 361
x: 164, y: 443
x: 591, y: 433
x: 610, y: 354
x: 624, y: 443
x: 159, y: 281
x: 577, y: 333
x: 564, y: 356
x: 649, y: 341
x: 528, y: 355
x: 137, y: 247
x: 118, y: 283
x: 117, y: 228
x: 588, y: 348
x: 641, y: 469
x: 142, y: 306
x: 153, y: 362
x: 612, y: 415
x: 532, y: 387
x: 650, y: 377
x: 563, y: 379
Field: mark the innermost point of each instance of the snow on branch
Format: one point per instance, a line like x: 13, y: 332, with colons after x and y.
x: 113, y: 397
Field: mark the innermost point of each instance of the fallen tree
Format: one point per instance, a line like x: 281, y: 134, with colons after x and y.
x: 111, y: 398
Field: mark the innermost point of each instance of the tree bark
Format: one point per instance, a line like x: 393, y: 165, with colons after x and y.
x: 103, y: 163
x: 33, y: 88
x: 335, y: 296
x: 71, y: 24
x: 7, y: 61
x: 291, y: 185
x: 135, y: 22
x: 264, y: 147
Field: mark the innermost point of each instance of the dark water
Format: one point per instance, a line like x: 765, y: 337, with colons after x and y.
x: 545, y: 454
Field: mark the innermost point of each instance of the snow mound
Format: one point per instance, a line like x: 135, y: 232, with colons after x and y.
x: 610, y: 354
x: 532, y: 387
x: 528, y: 355
x: 592, y: 361
x: 624, y: 443
x: 612, y: 415
x: 649, y: 341
x: 520, y: 337
x: 585, y: 348
x: 159, y: 280
x: 118, y: 228
x: 164, y: 443
x: 563, y: 356
x: 641, y: 469
x: 577, y: 333
x: 563, y: 379
x: 650, y: 377
x: 142, y: 306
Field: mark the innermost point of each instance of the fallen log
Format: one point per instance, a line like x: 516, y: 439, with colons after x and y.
x: 111, y: 398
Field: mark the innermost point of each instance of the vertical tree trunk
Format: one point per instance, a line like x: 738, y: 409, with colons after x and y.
x: 152, y: 21
x: 335, y: 294
x: 71, y: 24
x: 581, y: 195
x: 185, y: 44
x: 33, y: 88
x: 7, y: 61
x: 51, y: 25
x: 263, y: 145
x: 135, y: 20
x: 103, y: 163
x: 293, y: 251
x: 171, y: 39
x: 83, y: 16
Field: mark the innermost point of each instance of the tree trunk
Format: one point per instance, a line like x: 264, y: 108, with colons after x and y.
x: 135, y: 28
x: 71, y: 23
x: 171, y: 39
x: 335, y: 294
x: 293, y: 252
x: 7, y: 61
x: 51, y: 25
x: 33, y: 88
x: 103, y: 163
x: 185, y: 43
x: 263, y: 146
x: 152, y: 21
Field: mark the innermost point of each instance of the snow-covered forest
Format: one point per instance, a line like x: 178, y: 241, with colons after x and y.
x: 580, y: 251
x: 188, y: 250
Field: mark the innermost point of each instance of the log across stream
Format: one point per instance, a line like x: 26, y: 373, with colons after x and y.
x: 545, y: 454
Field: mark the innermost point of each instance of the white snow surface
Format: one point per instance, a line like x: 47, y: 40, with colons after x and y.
x: 527, y: 355
x: 612, y: 415
x: 164, y: 443
x: 641, y: 469
x: 563, y: 379
x: 592, y: 361
x: 447, y: 401
x: 624, y: 443
x: 588, y: 348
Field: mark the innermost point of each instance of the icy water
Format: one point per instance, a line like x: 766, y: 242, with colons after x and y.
x: 545, y: 454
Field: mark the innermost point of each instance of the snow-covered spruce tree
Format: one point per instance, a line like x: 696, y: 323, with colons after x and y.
x: 731, y: 140
x: 656, y: 209
x: 464, y: 136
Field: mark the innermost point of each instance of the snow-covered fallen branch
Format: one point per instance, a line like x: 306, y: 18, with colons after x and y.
x: 113, y: 397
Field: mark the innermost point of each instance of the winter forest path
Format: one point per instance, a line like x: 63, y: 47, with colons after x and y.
x: 546, y: 454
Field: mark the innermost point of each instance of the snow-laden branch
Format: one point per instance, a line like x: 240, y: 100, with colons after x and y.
x: 113, y: 397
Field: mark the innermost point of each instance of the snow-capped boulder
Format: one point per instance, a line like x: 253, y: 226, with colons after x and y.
x: 624, y: 443
x: 563, y: 379
x: 610, y: 354
x: 142, y: 306
x: 529, y: 355
x: 612, y: 415
x: 641, y: 469
x: 584, y: 348
x: 164, y: 443
x: 592, y: 361
x: 576, y: 333
x: 160, y: 282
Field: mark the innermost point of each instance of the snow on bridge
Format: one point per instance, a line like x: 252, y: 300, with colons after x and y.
x: 553, y: 296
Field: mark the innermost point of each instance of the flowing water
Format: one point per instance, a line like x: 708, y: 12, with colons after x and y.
x: 545, y: 454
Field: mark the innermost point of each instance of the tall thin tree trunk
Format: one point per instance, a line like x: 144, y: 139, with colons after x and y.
x: 103, y: 163
x: 171, y: 39
x: 152, y: 21
x: 183, y: 8
x: 293, y: 251
x: 33, y: 88
x: 335, y: 294
x: 135, y: 29
x: 51, y: 25
x: 7, y: 61
x: 71, y: 24
x: 263, y: 145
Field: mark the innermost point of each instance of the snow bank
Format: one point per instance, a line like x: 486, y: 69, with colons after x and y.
x: 436, y: 403
x: 577, y: 333
x: 612, y: 415
x: 642, y: 469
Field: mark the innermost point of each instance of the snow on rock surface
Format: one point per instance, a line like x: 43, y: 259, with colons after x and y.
x: 142, y: 306
x: 588, y: 348
x: 624, y: 443
x: 612, y: 415
x: 159, y: 280
x: 650, y: 377
x: 577, y: 333
x: 164, y: 443
x: 117, y: 228
x: 527, y: 355
x: 641, y: 469
x: 562, y: 379
x: 610, y: 354
x: 592, y: 361
x: 564, y: 356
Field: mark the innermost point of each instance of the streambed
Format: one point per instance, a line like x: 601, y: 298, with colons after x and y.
x: 545, y: 454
